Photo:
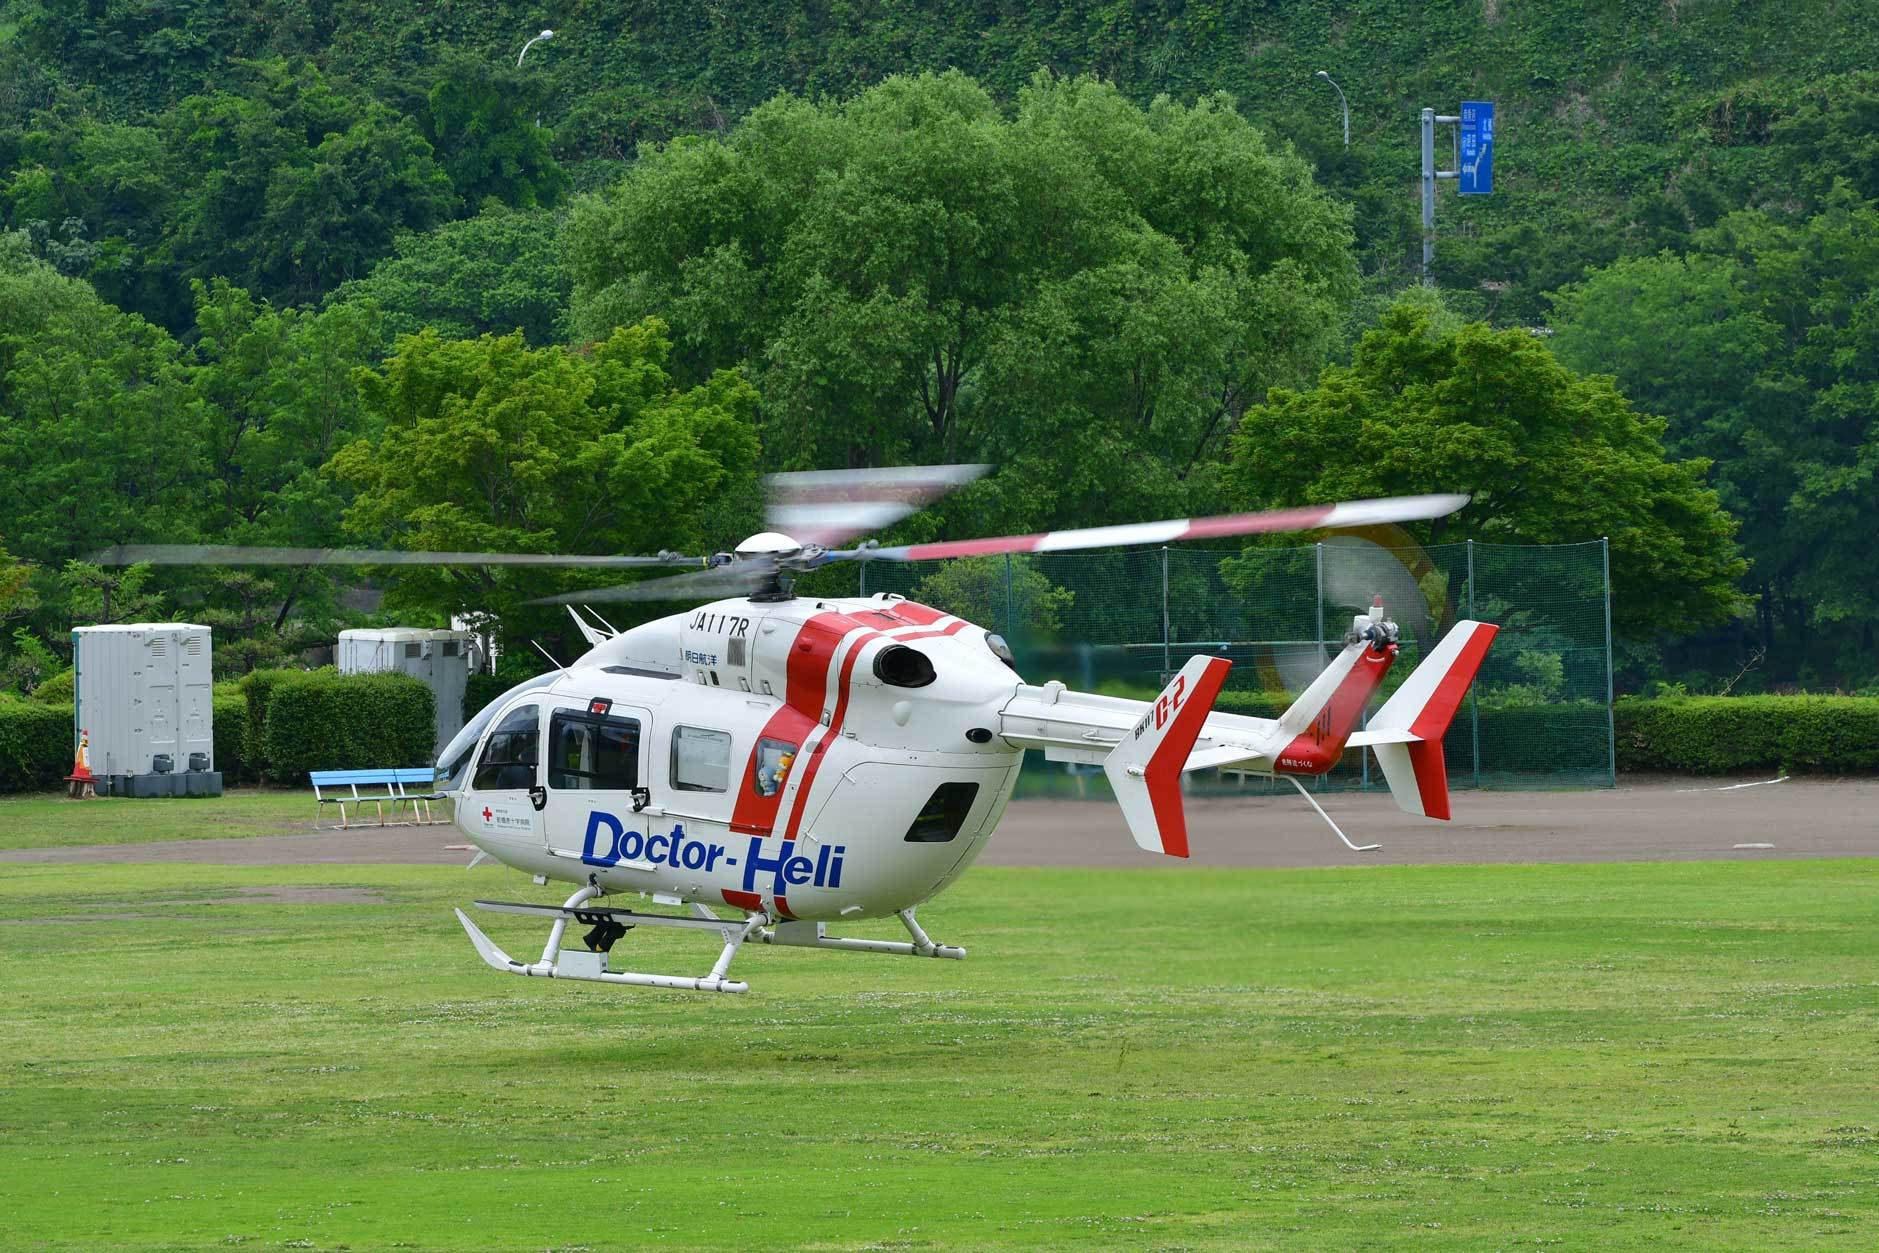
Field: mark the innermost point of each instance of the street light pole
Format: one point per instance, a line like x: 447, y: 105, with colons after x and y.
x: 1342, y: 103
x: 547, y: 34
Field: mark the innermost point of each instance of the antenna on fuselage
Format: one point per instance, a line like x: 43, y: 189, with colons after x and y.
x: 550, y: 656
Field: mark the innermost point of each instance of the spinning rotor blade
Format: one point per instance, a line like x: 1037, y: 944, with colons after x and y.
x: 239, y: 555
x: 744, y: 575
x: 1309, y: 518
x: 828, y: 507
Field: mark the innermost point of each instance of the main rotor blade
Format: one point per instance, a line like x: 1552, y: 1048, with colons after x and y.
x: 828, y: 507
x: 242, y: 555
x: 746, y: 575
x: 1308, y: 518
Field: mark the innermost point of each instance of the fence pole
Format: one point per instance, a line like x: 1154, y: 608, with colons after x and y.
x: 1611, y: 728
x: 1318, y: 551
x: 1011, y: 625
x: 1166, y: 662
x: 1474, y: 699
x: 864, y: 576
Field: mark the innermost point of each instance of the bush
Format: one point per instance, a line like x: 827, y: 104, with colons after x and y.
x: 323, y: 720
x: 258, y: 686
x: 35, y: 744
x: 1717, y: 734
x: 60, y: 689
x: 230, y: 707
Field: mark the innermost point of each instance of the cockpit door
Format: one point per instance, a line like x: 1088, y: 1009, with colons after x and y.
x: 596, y: 767
x: 505, y: 794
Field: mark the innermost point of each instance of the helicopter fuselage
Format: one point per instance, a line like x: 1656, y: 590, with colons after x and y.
x: 803, y: 758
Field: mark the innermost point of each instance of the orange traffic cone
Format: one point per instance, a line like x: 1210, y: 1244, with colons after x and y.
x: 83, y: 781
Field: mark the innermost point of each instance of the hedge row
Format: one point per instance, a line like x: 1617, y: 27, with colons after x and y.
x: 325, y: 720
x: 35, y: 744
x: 1718, y: 734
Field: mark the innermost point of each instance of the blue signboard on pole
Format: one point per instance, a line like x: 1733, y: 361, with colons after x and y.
x: 1477, y: 148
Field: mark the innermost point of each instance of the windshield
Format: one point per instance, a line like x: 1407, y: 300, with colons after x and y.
x: 453, y: 764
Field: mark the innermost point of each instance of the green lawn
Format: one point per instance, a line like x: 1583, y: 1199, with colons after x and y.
x: 1677, y: 1055
x: 49, y: 820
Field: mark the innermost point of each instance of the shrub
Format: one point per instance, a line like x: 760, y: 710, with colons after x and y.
x: 323, y: 720
x: 35, y: 744
x: 60, y: 689
x: 231, y: 733
x: 1716, y: 734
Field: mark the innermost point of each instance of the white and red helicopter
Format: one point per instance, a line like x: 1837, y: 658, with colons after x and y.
x: 811, y: 761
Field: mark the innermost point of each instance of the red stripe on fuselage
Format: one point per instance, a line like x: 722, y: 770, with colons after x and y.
x: 954, y: 629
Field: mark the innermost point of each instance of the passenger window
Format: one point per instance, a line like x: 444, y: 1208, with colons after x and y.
x: 774, y: 758
x: 701, y: 760
x: 944, y: 814
x: 508, y: 760
x: 591, y: 753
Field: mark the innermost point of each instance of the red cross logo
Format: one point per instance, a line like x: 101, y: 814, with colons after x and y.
x: 486, y: 813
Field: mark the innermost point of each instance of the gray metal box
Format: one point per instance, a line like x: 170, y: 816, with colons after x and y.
x: 144, y: 689
x: 440, y: 658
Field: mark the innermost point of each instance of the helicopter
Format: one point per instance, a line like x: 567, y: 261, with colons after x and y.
x: 808, y: 762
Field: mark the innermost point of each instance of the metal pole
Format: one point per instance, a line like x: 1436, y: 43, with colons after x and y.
x: 864, y: 576
x: 1474, y: 699
x: 1342, y: 104
x: 1428, y: 196
x: 1611, y: 727
x: 1318, y: 552
x: 1010, y: 621
x: 1166, y: 661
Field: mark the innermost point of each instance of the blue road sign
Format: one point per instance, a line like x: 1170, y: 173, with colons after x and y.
x: 1477, y: 148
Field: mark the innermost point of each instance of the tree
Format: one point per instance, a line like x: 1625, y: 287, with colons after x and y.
x: 292, y: 184
x: 1548, y: 456
x: 488, y: 444
x: 998, y: 593
x: 497, y: 272
x: 1761, y: 348
x: 1084, y: 291
x: 481, y: 120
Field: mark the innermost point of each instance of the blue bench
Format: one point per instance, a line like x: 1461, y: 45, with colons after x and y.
x: 415, y: 786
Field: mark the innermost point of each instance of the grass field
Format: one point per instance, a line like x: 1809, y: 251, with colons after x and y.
x: 1677, y: 1055
x: 47, y: 820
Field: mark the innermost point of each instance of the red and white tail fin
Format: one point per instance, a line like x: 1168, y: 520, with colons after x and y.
x: 1144, y: 770
x: 1311, y: 734
x: 1406, y: 734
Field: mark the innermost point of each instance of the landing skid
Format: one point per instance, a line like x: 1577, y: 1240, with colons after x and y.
x: 813, y: 935
x: 609, y: 925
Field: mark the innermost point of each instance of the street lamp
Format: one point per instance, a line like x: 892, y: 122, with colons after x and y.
x: 1344, y: 104
x: 547, y: 34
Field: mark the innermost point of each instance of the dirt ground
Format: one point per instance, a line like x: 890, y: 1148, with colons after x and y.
x: 1654, y: 819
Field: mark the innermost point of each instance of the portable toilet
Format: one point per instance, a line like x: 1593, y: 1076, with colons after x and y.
x: 145, y: 691
x: 440, y: 658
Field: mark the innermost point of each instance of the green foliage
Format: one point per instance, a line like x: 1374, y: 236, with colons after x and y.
x: 498, y: 272
x: 998, y: 593
x: 1085, y: 292
x: 1547, y: 456
x: 35, y: 744
x: 31, y: 667
x: 491, y: 445
x: 229, y: 707
x: 1761, y: 348
x: 291, y: 183
x: 59, y: 689
x: 323, y: 720
x: 1718, y: 734
x: 480, y: 122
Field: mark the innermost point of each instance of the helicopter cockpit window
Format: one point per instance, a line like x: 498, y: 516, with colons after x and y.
x: 945, y: 812
x: 774, y: 758
x: 591, y: 752
x: 508, y: 761
x: 701, y: 760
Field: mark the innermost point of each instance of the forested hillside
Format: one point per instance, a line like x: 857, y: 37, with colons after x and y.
x: 1117, y: 240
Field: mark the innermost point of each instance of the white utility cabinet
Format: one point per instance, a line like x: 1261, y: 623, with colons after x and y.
x: 145, y: 693
x: 441, y: 658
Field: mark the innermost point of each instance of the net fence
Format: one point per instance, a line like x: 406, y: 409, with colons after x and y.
x: 1121, y: 623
